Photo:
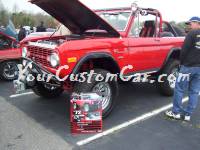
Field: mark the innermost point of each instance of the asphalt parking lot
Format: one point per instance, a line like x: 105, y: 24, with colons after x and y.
x: 28, y: 122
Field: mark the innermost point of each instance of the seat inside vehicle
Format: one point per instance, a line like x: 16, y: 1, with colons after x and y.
x: 148, y: 29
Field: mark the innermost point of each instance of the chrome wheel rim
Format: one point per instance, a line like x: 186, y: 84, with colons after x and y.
x: 103, y: 89
x: 10, y: 70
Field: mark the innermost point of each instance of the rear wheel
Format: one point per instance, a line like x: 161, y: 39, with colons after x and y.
x: 9, y: 70
x: 171, y: 70
x: 47, y: 91
x: 107, y: 90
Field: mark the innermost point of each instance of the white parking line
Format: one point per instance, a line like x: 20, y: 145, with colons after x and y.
x: 22, y: 94
x: 128, y: 123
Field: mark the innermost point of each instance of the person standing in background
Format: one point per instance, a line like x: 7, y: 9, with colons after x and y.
x: 190, y: 66
x: 22, y: 33
x: 41, y: 27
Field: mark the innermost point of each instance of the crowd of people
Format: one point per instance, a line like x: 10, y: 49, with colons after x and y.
x: 22, y: 31
x: 59, y: 31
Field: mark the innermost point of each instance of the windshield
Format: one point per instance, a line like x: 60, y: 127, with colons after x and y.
x: 118, y: 20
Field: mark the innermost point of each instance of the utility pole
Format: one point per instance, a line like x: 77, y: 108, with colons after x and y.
x: 1, y: 6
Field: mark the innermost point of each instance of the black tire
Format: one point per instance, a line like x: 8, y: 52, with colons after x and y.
x: 84, y: 87
x: 164, y: 87
x: 8, y: 70
x: 40, y: 90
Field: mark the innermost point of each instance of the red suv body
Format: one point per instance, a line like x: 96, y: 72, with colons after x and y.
x: 104, y: 41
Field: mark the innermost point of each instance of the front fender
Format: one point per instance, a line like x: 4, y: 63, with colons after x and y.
x: 94, y: 55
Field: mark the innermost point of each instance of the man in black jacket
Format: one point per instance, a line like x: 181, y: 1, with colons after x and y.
x: 22, y: 33
x: 190, y: 66
x: 41, y: 28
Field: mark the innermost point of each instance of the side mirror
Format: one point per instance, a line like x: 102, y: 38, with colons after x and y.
x: 134, y: 6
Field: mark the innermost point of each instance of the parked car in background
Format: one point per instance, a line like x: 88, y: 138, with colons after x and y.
x: 10, y: 56
x: 50, y: 30
x: 37, y: 35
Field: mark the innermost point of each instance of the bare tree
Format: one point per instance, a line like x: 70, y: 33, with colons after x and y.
x: 3, y: 15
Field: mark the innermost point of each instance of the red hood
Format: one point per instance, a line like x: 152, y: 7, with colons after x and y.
x: 75, y: 16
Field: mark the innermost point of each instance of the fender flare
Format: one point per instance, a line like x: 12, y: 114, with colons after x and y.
x: 173, y: 50
x: 12, y: 59
x: 93, y: 55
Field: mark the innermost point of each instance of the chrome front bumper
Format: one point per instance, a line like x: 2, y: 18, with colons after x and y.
x: 28, y: 67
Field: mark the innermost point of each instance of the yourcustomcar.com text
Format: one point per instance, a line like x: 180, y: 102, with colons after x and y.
x: 91, y: 75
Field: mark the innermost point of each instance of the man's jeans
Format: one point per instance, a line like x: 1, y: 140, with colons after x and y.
x: 191, y: 86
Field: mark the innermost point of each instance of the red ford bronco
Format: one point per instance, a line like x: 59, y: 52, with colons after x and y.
x: 9, y: 57
x: 122, y: 41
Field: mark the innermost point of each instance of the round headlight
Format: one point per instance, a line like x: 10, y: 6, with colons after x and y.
x: 54, y: 60
x: 24, y: 52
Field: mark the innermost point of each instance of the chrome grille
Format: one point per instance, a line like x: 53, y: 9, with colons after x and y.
x: 39, y: 55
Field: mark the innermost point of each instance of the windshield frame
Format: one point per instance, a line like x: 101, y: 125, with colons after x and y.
x: 117, y: 11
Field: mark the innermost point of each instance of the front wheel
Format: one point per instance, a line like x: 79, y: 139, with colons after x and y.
x: 9, y: 70
x: 107, y: 90
x: 171, y: 70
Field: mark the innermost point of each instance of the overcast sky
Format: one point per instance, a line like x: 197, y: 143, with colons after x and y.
x: 177, y: 10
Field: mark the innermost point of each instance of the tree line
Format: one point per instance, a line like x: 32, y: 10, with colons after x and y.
x: 23, y: 18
